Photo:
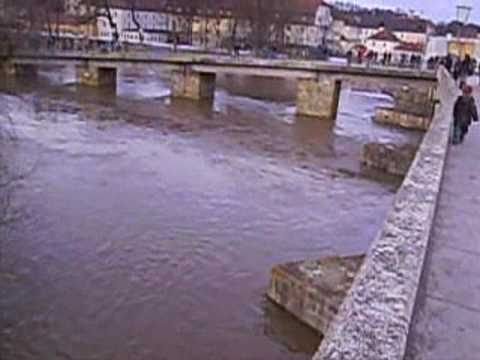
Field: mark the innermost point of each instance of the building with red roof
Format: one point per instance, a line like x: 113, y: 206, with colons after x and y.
x: 384, y: 41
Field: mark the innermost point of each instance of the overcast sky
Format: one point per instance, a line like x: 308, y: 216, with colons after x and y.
x: 436, y: 9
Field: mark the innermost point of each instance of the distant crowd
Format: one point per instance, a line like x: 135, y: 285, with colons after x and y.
x: 459, y: 68
x: 386, y: 59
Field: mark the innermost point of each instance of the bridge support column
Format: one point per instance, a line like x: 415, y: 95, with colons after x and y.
x: 416, y: 100
x: 188, y: 84
x: 414, y: 108
x: 318, y: 97
x: 11, y: 69
x: 96, y: 76
x: 313, y: 291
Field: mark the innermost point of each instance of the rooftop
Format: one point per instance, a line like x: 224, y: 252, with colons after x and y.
x: 457, y: 29
x: 410, y: 47
x: 384, y: 35
x: 376, y: 18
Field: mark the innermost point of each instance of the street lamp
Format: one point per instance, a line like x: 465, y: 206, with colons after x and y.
x: 463, y: 13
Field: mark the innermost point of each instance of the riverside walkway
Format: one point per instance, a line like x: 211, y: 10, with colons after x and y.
x: 446, y: 325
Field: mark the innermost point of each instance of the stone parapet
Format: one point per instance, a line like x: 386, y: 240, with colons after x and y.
x: 402, y: 119
x: 374, y: 320
x: 313, y: 290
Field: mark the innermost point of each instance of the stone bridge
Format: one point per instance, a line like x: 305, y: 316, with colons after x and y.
x: 364, y: 304
x: 319, y: 83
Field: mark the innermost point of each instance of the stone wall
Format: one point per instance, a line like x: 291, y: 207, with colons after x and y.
x: 313, y: 290
x: 373, y: 321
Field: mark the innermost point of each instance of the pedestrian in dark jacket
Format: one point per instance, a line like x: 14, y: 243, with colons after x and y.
x: 464, y: 112
x: 449, y: 63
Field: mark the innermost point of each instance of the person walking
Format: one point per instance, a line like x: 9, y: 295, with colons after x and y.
x: 464, y: 112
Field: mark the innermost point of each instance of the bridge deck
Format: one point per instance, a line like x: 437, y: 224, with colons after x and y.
x: 219, y: 64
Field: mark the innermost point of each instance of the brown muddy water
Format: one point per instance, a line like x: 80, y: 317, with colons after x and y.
x: 145, y: 228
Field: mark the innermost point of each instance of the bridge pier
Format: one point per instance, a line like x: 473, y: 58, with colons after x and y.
x: 318, y: 97
x: 12, y: 69
x: 96, y: 76
x: 418, y: 100
x: 188, y: 84
x: 414, y: 108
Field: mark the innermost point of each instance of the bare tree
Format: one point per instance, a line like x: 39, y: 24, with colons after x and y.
x: 103, y: 10
x: 133, y: 7
x: 15, y: 23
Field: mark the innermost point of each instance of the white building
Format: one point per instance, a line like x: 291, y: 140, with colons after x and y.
x: 152, y: 29
x: 382, y: 42
x: 311, y: 30
x: 353, y: 28
x: 404, y: 52
x: 410, y: 36
x: 437, y: 46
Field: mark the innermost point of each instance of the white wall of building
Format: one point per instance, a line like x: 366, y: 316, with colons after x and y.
x: 311, y: 35
x: 411, y: 37
x: 151, y: 25
x: 381, y: 46
x: 437, y: 46
x: 366, y: 33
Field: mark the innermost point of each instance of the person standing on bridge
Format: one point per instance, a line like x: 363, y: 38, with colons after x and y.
x: 464, y: 112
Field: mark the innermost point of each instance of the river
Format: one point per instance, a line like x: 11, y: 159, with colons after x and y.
x: 145, y: 228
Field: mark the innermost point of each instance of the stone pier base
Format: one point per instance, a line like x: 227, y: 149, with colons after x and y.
x: 313, y: 290
x: 97, y: 76
x: 187, y: 84
x: 11, y: 69
x: 416, y: 101
x: 390, y: 158
x: 402, y: 119
x: 318, y: 97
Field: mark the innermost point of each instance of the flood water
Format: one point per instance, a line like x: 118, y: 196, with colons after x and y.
x: 145, y: 228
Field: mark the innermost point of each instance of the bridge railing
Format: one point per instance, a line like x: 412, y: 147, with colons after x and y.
x: 374, y: 320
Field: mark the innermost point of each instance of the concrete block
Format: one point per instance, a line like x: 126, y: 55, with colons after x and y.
x: 391, y: 158
x: 313, y: 290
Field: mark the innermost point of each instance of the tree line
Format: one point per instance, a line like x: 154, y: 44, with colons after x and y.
x: 266, y: 20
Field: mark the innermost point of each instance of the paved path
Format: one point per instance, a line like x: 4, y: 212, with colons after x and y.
x: 447, y: 320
